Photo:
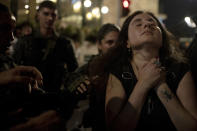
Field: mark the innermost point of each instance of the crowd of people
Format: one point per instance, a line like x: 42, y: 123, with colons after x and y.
x: 139, y: 80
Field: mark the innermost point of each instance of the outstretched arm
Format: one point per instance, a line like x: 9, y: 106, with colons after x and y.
x: 20, y: 75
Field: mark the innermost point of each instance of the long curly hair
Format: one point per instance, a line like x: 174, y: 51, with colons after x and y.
x: 168, y: 51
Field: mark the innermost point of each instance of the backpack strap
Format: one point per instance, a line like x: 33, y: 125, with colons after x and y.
x: 126, y: 76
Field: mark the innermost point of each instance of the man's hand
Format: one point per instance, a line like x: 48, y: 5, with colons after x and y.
x: 83, y: 87
x: 21, y: 75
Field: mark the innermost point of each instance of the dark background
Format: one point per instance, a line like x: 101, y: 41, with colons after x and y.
x: 176, y: 11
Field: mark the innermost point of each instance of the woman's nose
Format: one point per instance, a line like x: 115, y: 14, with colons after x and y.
x: 147, y: 24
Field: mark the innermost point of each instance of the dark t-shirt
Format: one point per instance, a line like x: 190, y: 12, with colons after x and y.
x: 192, y: 55
x: 53, y: 56
x: 154, y: 116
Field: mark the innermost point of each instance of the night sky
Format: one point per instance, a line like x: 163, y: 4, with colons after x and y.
x: 176, y: 11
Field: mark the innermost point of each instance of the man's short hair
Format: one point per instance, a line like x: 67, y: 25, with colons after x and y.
x: 47, y: 4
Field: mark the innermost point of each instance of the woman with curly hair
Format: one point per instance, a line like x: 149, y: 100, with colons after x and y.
x: 150, y: 86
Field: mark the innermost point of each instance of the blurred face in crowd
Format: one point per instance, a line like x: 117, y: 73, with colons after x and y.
x: 108, y: 41
x: 7, y: 25
x: 46, y: 18
x: 144, y: 31
x: 26, y: 30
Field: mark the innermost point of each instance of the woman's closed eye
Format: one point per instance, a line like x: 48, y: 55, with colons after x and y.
x: 138, y: 24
